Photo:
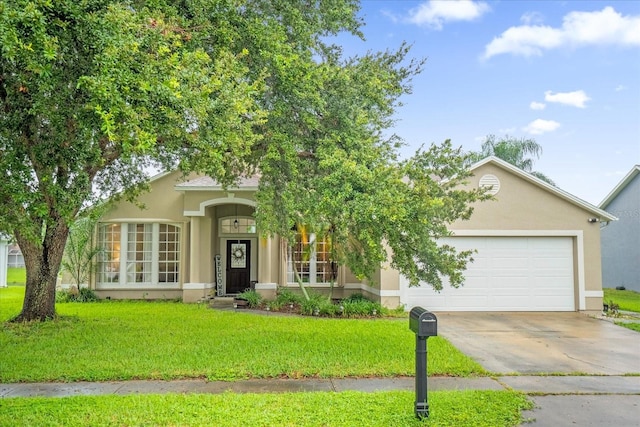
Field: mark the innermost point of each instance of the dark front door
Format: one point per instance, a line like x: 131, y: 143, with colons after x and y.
x: 238, y: 268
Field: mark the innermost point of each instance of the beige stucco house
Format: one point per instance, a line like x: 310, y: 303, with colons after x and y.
x: 538, y: 249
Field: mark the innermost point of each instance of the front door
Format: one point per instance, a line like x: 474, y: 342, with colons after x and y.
x: 238, y: 266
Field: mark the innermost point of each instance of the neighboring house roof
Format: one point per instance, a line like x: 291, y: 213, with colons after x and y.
x: 546, y: 186
x: 621, y: 186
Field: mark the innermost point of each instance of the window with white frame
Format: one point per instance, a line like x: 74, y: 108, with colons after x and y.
x: 237, y: 225
x: 310, y: 258
x: 139, y: 254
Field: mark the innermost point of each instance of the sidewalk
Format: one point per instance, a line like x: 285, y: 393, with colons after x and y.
x: 587, y: 401
x: 553, y: 385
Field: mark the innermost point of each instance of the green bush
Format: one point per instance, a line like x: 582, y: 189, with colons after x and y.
x: 360, y: 308
x: 74, y: 294
x: 252, y: 297
x: 286, y: 296
x: 355, y: 297
x: 318, y: 305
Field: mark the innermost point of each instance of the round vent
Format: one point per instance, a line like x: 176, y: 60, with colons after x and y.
x: 492, y: 182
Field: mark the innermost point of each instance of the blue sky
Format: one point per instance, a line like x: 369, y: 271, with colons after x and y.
x: 566, y: 73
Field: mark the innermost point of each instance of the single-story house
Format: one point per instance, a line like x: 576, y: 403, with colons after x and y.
x: 538, y: 248
x: 621, y: 239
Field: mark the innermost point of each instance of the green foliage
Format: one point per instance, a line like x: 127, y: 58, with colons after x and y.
x: 285, y: 295
x: 91, y: 93
x: 80, y: 252
x: 634, y: 326
x: 387, y: 408
x: 74, y: 294
x: 318, y: 305
x: 627, y: 300
x: 252, y: 297
x: 512, y: 150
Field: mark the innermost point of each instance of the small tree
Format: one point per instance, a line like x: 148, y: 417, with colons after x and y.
x: 80, y: 253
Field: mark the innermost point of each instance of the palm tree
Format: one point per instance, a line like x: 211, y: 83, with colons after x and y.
x: 514, y: 151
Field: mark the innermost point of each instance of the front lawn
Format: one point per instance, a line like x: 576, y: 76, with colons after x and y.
x: 120, y: 340
x: 393, y: 408
x: 16, y: 276
x: 627, y: 300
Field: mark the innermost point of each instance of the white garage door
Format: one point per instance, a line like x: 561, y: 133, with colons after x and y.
x: 508, y: 274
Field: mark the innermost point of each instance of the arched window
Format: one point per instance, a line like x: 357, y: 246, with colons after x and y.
x: 237, y: 225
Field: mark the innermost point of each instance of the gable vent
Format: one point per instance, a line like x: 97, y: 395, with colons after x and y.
x: 492, y: 182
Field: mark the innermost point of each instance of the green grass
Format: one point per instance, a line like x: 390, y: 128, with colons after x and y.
x: 121, y: 340
x: 395, y: 408
x: 16, y: 276
x: 627, y: 300
x: 634, y: 326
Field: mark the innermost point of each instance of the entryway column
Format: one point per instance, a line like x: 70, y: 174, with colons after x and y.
x: 194, y: 252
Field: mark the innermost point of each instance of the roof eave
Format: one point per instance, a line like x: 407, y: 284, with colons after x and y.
x: 621, y: 186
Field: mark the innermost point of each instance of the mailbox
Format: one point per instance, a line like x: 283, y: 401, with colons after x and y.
x: 423, y: 323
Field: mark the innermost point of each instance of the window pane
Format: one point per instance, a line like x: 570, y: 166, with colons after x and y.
x: 169, y: 254
x: 109, y: 261
x: 139, y: 253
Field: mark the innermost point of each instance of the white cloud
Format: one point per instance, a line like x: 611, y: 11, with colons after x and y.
x: 620, y: 88
x: 532, y: 18
x: 435, y: 13
x: 576, y: 98
x: 540, y: 126
x: 605, y: 27
x: 537, y: 105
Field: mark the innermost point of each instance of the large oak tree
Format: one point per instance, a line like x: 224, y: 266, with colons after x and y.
x: 92, y: 92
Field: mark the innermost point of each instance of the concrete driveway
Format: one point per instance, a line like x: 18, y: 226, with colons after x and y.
x: 534, y: 343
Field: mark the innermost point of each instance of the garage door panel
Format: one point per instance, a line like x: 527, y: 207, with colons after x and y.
x: 509, y: 274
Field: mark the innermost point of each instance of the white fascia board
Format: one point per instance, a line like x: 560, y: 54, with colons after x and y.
x: 618, y: 188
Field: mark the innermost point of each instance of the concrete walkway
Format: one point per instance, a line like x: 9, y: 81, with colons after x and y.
x: 559, y: 400
x: 552, y: 385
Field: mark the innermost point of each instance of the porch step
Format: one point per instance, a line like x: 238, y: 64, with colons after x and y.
x: 222, y: 303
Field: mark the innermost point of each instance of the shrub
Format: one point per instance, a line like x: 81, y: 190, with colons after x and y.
x: 360, y: 308
x: 355, y: 297
x: 73, y: 294
x: 252, y: 297
x: 318, y: 305
x: 286, y: 296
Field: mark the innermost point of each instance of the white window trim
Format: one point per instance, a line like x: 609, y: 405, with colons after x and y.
x: 122, y: 282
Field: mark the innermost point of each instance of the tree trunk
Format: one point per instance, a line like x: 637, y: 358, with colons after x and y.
x: 42, y: 262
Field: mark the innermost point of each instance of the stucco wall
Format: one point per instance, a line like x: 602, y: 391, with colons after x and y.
x: 521, y: 205
x: 621, y: 240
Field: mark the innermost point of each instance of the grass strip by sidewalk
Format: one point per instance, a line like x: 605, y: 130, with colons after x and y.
x: 395, y: 408
x: 123, y: 340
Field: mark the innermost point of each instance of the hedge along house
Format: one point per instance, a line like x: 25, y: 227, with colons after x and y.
x: 538, y: 249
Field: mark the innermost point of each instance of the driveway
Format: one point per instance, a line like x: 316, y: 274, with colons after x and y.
x: 534, y: 343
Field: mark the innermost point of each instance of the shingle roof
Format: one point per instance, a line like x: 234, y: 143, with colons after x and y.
x: 208, y: 183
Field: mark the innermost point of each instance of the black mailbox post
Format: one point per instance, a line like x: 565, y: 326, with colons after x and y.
x: 424, y: 324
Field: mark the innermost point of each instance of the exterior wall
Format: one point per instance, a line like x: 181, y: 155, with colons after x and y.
x: 161, y: 204
x: 522, y: 208
x: 621, y: 240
